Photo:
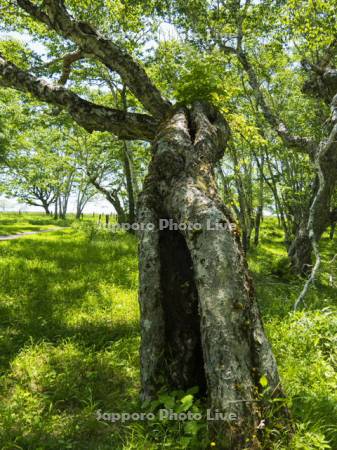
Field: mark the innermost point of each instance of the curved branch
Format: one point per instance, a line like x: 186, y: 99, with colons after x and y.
x: 326, y: 163
x: 301, y: 143
x: 68, y: 61
x: 87, y: 114
x: 94, y: 45
x: 111, y: 196
x: 277, y: 124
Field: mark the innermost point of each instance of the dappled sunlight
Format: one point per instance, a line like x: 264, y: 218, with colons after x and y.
x: 70, y: 340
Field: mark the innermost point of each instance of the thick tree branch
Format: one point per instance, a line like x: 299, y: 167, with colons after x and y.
x: 89, y: 115
x: 94, y: 45
x: 68, y: 61
x: 321, y: 82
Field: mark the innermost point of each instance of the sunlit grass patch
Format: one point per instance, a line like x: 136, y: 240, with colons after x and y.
x: 69, y: 343
x: 305, y: 345
x: 15, y: 223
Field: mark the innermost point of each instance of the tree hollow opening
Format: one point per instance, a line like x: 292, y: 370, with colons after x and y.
x: 179, y: 296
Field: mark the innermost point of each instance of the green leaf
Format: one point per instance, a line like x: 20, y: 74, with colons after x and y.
x: 167, y: 401
x: 187, y: 402
x: 264, y: 381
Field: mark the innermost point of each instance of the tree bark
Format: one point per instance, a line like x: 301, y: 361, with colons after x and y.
x: 129, y: 185
x: 319, y: 214
x: 46, y: 208
x: 90, y: 116
x: 56, y: 211
x: 300, y: 251
x: 259, y: 212
x: 200, y: 323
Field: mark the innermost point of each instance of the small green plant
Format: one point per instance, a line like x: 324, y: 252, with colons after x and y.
x: 306, y: 438
x: 91, y: 230
x: 182, y: 415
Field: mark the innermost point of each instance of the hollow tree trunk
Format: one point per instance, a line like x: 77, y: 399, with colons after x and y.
x: 200, y: 322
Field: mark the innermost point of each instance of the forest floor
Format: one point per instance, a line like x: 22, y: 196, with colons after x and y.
x: 69, y: 341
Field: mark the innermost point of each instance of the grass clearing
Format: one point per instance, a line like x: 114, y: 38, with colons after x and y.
x: 16, y: 223
x: 69, y: 343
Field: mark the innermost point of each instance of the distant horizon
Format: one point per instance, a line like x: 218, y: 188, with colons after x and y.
x: 99, y: 206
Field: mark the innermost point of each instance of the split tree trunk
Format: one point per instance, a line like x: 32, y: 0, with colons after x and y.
x: 200, y: 322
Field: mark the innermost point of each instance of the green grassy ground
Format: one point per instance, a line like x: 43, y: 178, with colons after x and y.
x: 69, y: 343
x: 15, y: 223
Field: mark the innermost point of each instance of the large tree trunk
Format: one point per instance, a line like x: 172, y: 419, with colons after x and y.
x: 200, y: 322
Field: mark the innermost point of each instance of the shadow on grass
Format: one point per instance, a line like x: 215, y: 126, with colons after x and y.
x: 69, y: 340
x: 46, y: 282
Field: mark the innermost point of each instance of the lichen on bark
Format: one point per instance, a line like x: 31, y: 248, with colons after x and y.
x: 222, y: 345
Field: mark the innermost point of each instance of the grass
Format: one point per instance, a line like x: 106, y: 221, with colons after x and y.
x: 16, y: 223
x: 69, y: 342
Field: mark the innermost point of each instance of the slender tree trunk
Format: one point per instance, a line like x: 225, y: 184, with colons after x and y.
x: 113, y: 198
x: 78, y: 211
x: 200, y: 323
x: 258, y: 224
x: 129, y: 185
x: 259, y: 212
x: 121, y: 216
x: 245, y: 211
x: 60, y: 207
x: 56, y: 212
x: 46, y: 208
x: 80, y: 204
